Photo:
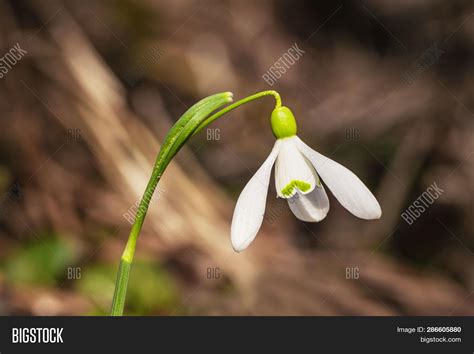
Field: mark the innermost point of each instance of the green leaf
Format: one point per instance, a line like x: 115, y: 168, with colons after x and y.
x: 189, y: 121
x: 181, y: 131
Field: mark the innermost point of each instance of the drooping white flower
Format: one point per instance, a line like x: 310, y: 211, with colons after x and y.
x: 297, y: 172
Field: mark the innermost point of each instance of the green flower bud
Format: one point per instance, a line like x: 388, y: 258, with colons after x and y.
x: 283, y: 123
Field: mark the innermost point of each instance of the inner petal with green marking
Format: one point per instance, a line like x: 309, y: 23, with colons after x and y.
x: 293, y: 173
x: 302, y: 186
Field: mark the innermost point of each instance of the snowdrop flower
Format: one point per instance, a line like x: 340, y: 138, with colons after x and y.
x: 298, y: 169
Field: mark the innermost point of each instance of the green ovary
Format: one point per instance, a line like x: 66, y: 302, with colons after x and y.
x: 283, y: 123
x: 287, y: 191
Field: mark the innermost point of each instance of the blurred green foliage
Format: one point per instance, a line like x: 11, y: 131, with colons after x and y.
x: 43, y: 262
x: 150, y: 288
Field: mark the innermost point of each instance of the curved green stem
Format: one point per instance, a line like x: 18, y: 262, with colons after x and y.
x: 195, y: 119
x: 239, y: 103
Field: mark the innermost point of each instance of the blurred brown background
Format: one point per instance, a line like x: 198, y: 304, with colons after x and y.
x: 385, y: 88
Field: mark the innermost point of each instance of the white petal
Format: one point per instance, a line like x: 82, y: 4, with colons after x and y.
x: 293, y: 169
x: 311, y: 207
x: 345, y: 185
x: 250, y: 208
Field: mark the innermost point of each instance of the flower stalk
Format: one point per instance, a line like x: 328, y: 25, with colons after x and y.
x: 191, y: 122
